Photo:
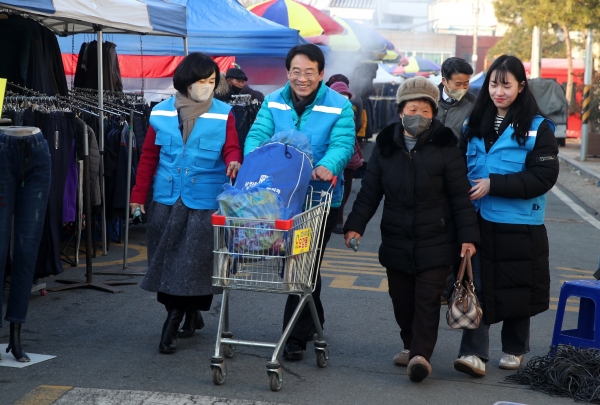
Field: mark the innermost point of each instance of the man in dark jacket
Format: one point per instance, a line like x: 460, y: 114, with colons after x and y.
x: 236, y: 79
x: 455, y: 102
x: 428, y: 220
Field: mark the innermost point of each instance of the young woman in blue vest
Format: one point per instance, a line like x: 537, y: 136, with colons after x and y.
x: 511, y: 156
x: 190, y: 150
x: 427, y: 221
x: 305, y: 103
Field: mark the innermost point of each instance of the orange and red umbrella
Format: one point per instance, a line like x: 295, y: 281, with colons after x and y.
x: 302, y: 17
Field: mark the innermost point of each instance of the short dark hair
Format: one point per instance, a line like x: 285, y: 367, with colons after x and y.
x: 400, y: 106
x: 194, y: 67
x: 311, y: 51
x: 455, y: 65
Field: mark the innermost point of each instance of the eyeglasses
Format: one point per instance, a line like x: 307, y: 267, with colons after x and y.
x: 307, y: 75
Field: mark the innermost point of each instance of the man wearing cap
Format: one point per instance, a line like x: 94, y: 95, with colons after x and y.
x: 306, y: 104
x: 428, y: 219
x: 236, y: 79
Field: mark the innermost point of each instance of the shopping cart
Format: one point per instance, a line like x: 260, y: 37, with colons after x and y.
x: 278, y: 256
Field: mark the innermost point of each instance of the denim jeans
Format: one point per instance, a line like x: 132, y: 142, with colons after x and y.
x: 24, y: 186
x: 476, y: 342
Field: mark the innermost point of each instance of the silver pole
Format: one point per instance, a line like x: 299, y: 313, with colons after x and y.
x: 475, y: 33
x: 129, y: 158
x: 536, y: 48
x: 186, y: 51
x: 587, y: 86
x: 101, y: 140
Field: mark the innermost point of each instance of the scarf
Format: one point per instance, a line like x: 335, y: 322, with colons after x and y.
x: 189, y: 111
x: 300, y: 105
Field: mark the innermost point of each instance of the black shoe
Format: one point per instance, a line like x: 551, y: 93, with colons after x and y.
x: 193, y: 321
x: 168, y: 340
x: 339, y: 229
x: 292, y: 351
x: 14, y: 345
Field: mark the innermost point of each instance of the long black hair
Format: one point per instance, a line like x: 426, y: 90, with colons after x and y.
x: 524, y: 108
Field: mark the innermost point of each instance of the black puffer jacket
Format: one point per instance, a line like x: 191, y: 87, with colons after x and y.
x: 427, y: 213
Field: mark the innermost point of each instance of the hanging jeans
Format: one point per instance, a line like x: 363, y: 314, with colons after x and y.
x: 476, y: 342
x: 25, y: 172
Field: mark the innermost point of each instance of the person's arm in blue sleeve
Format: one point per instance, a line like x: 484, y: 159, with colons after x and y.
x: 262, y: 129
x: 341, y: 142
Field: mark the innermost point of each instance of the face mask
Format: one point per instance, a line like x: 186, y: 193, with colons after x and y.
x: 200, y: 92
x: 346, y: 96
x: 415, y: 124
x: 456, y: 94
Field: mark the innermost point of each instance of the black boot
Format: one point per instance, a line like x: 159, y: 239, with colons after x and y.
x: 193, y: 321
x: 168, y: 341
x: 14, y: 345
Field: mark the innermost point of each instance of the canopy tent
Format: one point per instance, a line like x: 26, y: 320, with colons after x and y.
x: 383, y: 76
x: 216, y: 28
x: 66, y: 17
x: 476, y: 82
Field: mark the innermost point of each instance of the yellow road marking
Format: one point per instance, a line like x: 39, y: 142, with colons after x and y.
x: 577, y: 270
x: 574, y: 301
x: 577, y: 276
x: 567, y: 308
x: 44, y: 395
x: 141, y: 256
x: 349, y: 252
x: 362, y: 271
x: 351, y: 264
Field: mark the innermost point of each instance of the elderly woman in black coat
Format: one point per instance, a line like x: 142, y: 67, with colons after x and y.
x: 428, y: 219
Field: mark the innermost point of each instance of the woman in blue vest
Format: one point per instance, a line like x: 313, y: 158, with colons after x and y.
x: 512, y: 161
x: 190, y: 150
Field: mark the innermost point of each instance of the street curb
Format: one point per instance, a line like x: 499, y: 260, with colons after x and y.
x: 580, y: 166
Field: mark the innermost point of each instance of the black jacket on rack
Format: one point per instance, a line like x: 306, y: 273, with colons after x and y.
x: 30, y: 56
x: 86, y: 74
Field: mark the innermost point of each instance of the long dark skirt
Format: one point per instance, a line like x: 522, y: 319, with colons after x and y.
x: 180, y: 257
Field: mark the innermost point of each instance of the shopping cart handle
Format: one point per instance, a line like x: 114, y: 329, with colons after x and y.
x: 334, y: 181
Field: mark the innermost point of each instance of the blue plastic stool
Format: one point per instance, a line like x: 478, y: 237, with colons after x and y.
x: 587, y: 333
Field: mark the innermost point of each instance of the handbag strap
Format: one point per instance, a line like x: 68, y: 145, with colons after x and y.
x: 465, y: 264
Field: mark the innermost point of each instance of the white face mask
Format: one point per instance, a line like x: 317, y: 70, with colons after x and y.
x: 200, y: 92
x: 346, y: 96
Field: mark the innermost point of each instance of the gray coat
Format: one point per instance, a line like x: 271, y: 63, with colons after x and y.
x: 453, y: 115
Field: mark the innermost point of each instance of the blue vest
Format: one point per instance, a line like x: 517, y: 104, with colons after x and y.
x: 323, y: 116
x: 506, y: 156
x: 195, y: 171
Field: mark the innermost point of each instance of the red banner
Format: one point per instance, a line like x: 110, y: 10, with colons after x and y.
x: 150, y: 66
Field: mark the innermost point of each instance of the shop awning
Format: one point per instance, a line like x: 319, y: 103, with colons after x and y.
x: 65, y: 17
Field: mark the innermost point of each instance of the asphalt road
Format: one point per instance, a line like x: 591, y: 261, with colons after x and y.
x: 106, y: 344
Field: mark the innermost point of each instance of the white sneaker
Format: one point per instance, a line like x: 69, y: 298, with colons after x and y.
x: 471, y: 365
x: 401, y: 359
x: 511, y: 362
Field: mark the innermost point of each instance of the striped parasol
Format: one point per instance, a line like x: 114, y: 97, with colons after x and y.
x: 302, y: 17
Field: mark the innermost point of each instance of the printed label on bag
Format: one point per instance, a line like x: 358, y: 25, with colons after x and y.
x: 302, y: 240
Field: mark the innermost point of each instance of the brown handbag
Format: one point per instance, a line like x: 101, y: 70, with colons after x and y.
x: 464, y: 310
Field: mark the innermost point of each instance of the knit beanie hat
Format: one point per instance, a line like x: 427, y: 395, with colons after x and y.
x: 341, y: 88
x: 418, y: 87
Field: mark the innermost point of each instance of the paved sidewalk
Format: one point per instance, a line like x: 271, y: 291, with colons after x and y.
x: 571, y: 154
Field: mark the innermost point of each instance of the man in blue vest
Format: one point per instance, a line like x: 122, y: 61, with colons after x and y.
x: 327, y: 119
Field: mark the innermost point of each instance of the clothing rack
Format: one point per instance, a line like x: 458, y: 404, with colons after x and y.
x: 69, y: 103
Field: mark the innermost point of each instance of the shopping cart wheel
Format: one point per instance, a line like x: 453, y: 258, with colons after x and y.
x: 228, y: 351
x: 218, y: 376
x: 275, y: 381
x: 322, y: 357
x: 43, y: 293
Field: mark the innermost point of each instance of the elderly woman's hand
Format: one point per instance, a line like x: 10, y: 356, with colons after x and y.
x: 467, y: 246
x: 349, y: 235
x: 233, y: 169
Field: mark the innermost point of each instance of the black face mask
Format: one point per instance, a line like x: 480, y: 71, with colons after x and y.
x: 415, y: 124
x: 235, y: 90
